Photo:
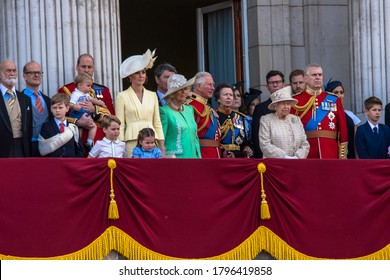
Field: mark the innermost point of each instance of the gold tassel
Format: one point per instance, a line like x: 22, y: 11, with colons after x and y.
x: 113, y: 213
x: 264, y: 210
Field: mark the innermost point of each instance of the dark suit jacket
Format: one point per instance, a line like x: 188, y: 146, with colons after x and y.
x: 260, y: 110
x: 351, y: 137
x: 6, y: 136
x: 70, y: 149
x: 368, y: 146
x: 387, y: 114
x: 48, y: 104
x: 34, y: 145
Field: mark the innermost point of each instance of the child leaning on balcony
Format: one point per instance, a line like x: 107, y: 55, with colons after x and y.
x: 110, y: 145
x: 146, y: 145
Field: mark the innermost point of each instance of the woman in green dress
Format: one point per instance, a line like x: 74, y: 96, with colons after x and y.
x: 179, y: 127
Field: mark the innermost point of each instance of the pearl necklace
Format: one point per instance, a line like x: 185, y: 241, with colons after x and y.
x: 175, y: 107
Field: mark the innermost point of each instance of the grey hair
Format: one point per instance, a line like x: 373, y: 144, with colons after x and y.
x: 200, y: 78
x: 311, y: 65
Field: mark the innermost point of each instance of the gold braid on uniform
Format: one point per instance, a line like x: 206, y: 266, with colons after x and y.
x: 225, y: 127
x: 343, y: 148
x: 100, y: 111
x: 305, y: 108
x: 67, y: 91
x: 309, y: 104
x: 206, y: 113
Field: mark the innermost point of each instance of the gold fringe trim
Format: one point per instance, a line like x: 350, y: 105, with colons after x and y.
x: 262, y: 239
x: 112, y: 239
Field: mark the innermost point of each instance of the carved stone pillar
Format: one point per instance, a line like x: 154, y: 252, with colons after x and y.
x: 55, y: 33
x: 370, y: 51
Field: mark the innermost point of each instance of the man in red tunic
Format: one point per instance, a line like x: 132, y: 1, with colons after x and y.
x: 85, y: 64
x: 323, y: 117
x: 205, y: 117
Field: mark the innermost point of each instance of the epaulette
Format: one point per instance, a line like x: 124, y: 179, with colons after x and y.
x: 188, y: 101
x: 296, y: 94
x: 98, y: 87
x: 331, y: 93
x: 66, y: 88
x: 239, y: 113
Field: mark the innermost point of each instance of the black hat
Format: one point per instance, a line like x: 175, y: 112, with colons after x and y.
x: 238, y: 85
x: 251, y: 95
x: 331, y: 85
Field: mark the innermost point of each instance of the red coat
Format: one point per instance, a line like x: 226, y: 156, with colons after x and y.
x: 207, y: 126
x: 102, y: 93
x: 324, y: 120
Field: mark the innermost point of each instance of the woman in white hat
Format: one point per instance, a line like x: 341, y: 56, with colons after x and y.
x: 137, y: 107
x: 281, y: 134
x: 179, y: 126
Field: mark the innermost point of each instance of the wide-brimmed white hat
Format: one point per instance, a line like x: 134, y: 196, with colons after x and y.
x: 177, y: 82
x: 283, y: 94
x: 136, y: 63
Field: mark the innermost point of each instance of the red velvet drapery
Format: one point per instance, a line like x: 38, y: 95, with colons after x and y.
x: 194, y: 208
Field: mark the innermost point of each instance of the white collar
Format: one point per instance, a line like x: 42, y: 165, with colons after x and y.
x: 4, y: 89
x: 108, y: 141
x: 58, y: 122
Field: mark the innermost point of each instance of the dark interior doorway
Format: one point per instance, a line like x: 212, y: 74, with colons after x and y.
x: 168, y: 26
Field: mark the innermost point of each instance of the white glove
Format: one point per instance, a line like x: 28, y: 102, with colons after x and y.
x: 288, y: 157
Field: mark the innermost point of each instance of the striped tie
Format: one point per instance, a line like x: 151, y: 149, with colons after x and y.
x: 11, y: 100
x: 38, y: 102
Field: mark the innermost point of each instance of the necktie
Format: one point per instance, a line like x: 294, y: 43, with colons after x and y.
x: 11, y: 100
x: 38, y: 102
x: 62, y: 127
x: 375, y: 129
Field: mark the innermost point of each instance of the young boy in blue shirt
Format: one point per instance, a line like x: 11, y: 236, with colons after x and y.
x: 372, y: 139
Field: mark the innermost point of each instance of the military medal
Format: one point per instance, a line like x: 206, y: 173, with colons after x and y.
x: 238, y: 124
x: 331, y: 116
x: 98, y: 94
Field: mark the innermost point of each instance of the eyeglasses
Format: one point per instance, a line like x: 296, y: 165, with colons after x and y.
x: 275, y: 82
x: 34, y: 73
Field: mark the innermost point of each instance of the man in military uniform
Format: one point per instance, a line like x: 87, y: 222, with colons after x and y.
x: 85, y: 64
x: 205, y: 117
x: 323, y: 117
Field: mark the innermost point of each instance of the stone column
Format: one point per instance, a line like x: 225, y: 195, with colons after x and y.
x: 268, y: 41
x: 55, y: 33
x: 370, y: 51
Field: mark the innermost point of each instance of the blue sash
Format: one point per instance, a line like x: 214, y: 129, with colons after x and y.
x: 322, y: 111
x: 210, y: 133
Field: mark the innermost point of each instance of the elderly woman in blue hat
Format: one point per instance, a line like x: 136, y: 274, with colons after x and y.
x: 179, y: 126
x: 138, y: 107
x: 281, y: 134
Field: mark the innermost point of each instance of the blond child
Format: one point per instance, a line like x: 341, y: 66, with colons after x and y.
x: 110, y: 146
x: 81, y: 94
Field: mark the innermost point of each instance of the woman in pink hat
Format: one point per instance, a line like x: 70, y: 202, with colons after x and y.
x: 137, y: 107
